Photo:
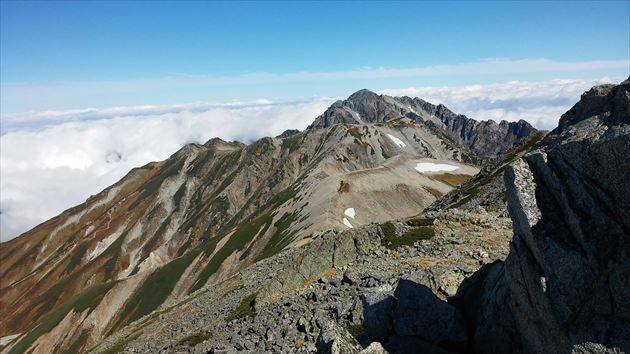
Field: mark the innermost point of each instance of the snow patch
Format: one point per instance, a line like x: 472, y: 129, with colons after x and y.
x: 347, y: 223
x: 350, y: 213
x: 396, y: 141
x: 434, y: 167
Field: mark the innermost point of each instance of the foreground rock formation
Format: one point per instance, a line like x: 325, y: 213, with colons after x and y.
x: 568, y: 272
x: 563, y: 286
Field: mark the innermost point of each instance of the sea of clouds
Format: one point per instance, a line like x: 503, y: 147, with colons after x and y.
x: 53, y: 160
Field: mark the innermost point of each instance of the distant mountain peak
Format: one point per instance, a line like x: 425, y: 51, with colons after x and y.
x: 484, y: 138
x: 363, y: 93
x: 287, y: 133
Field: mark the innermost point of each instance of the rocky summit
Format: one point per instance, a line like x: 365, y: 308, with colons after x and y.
x: 390, y: 225
x: 484, y: 138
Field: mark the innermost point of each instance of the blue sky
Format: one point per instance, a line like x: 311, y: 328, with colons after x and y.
x: 63, y: 55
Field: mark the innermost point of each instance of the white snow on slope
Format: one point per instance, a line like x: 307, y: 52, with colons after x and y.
x: 396, y: 141
x: 434, y: 167
x: 350, y: 213
x: 347, y: 223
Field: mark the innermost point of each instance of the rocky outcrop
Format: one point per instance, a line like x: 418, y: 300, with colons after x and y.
x: 486, y: 138
x: 329, y: 252
x: 334, y: 339
x: 363, y: 106
x: 287, y: 133
x: 421, y: 314
x: 377, y: 305
x: 569, y: 261
x: 482, y: 138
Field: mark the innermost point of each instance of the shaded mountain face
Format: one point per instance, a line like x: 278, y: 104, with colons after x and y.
x: 171, y: 228
x: 483, y: 138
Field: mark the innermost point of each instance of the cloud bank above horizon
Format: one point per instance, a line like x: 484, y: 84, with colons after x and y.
x: 20, y: 96
x: 53, y: 160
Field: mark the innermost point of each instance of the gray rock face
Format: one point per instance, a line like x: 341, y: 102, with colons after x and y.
x: 483, y: 138
x: 350, y: 277
x: 487, y: 189
x: 568, y: 271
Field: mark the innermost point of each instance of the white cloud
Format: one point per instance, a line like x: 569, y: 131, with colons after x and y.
x: 63, y: 157
x: 541, y: 103
x: 50, y: 161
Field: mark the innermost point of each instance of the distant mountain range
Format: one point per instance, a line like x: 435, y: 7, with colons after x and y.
x: 173, y: 228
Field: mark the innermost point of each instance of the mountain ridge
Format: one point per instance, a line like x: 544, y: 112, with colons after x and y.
x: 485, y: 138
x: 549, y: 279
x: 171, y: 228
